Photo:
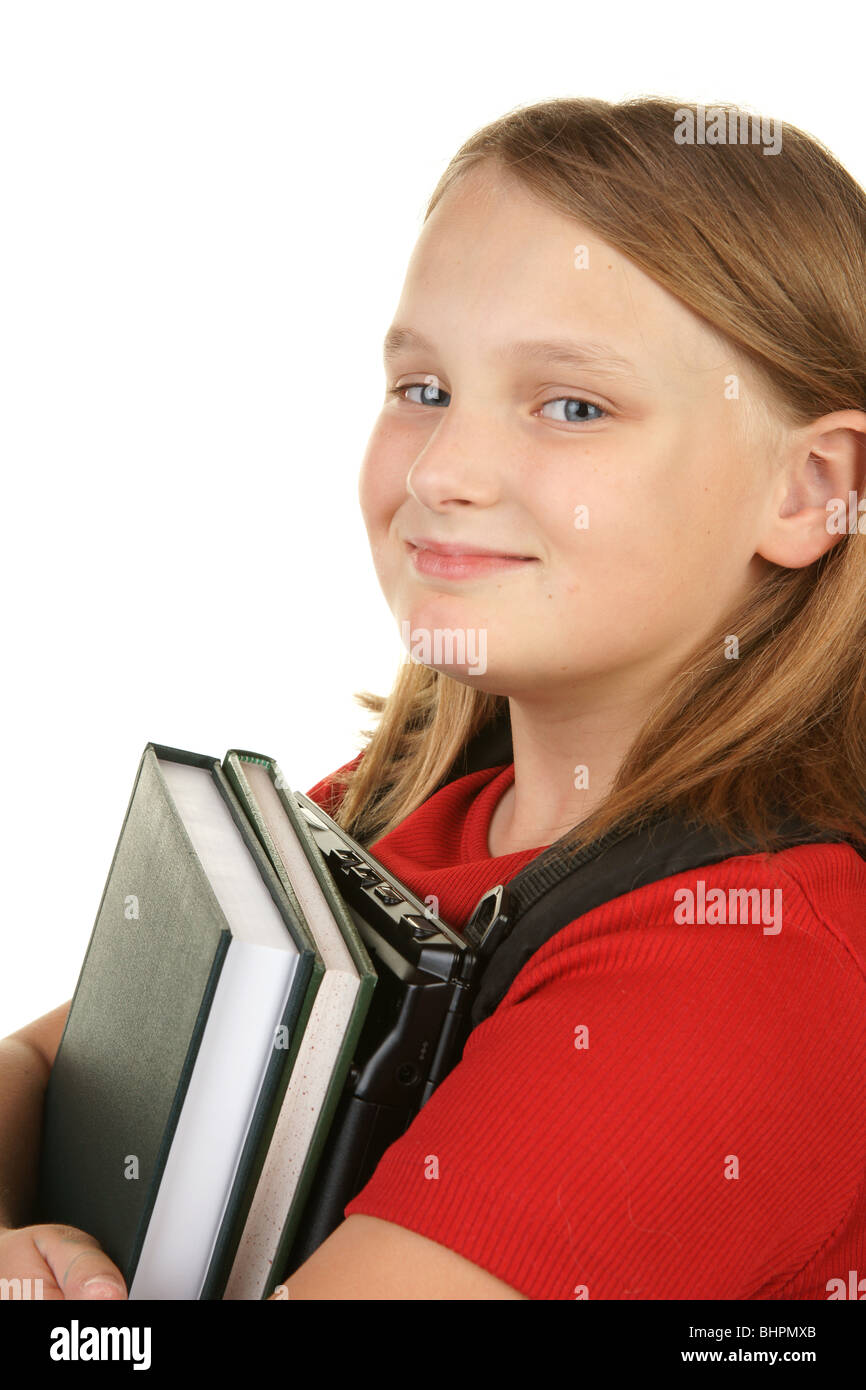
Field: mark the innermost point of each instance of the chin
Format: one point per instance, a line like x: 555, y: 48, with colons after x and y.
x: 457, y: 651
x: 484, y: 682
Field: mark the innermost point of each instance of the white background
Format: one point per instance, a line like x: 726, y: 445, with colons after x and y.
x: 206, y: 211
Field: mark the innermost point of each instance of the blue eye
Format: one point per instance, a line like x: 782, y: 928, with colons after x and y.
x: 431, y: 395
x: 572, y: 417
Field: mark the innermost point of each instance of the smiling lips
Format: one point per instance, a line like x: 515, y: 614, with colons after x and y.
x: 458, y: 560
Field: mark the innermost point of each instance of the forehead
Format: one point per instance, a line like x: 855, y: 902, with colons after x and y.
x: 494, y: 258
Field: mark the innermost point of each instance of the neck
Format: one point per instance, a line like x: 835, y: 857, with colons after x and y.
x: 563, y: 769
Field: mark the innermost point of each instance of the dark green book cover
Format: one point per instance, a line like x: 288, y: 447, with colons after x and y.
x: 137, y: 1016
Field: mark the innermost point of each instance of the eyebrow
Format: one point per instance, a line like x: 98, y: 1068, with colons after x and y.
x: 562, y: 352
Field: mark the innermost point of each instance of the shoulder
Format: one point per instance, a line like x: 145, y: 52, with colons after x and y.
x: 783, y: 914
x: 760, y: 959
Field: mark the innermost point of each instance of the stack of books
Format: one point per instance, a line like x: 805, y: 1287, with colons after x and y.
x: 211, y: 1034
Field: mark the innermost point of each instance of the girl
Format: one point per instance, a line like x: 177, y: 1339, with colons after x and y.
x: 611, y: 499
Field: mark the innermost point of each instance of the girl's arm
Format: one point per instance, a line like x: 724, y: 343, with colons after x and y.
x: 66, y: 1262
x: 26, y: 1059
x: 366, y: 1258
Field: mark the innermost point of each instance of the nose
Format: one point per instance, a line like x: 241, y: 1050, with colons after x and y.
x: 460, y: 463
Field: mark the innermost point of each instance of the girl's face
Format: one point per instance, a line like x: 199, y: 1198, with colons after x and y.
x: 625, y: 489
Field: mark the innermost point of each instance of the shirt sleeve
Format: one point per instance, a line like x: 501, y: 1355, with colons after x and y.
x: 654, y: 1111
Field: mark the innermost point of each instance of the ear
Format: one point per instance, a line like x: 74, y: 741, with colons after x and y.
x: 812, y: 503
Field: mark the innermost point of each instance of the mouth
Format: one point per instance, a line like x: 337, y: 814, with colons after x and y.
x: 459, y: 560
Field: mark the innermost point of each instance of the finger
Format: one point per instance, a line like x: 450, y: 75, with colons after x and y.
x: 79, y: 1264
x: 26, y: 1274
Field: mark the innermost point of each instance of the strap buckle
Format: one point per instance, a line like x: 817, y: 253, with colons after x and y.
x: 490, y: 921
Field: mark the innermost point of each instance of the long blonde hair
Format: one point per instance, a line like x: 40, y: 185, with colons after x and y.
x: 770, y: 251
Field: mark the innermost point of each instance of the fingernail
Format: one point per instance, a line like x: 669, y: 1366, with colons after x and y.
x: 102, y: 1287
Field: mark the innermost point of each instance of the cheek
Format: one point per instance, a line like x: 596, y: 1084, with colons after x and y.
x: 616, y: 550
x: 598, y: 530
x: 368, y: 489
x: 650, y: 565
x: 381, y: 481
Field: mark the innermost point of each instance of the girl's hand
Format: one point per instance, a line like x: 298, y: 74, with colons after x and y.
x: 68, y: 1262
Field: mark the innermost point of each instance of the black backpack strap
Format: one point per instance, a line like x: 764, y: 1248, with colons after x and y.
x: 512, y: 921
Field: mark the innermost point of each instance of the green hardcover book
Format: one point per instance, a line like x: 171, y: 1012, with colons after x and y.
x: 199, y: 961
x: 289, y: 1144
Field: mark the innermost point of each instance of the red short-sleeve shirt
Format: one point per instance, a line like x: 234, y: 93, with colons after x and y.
x: 658, y: 1108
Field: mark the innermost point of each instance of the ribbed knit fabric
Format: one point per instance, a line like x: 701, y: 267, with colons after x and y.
x: 656, y: 1110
